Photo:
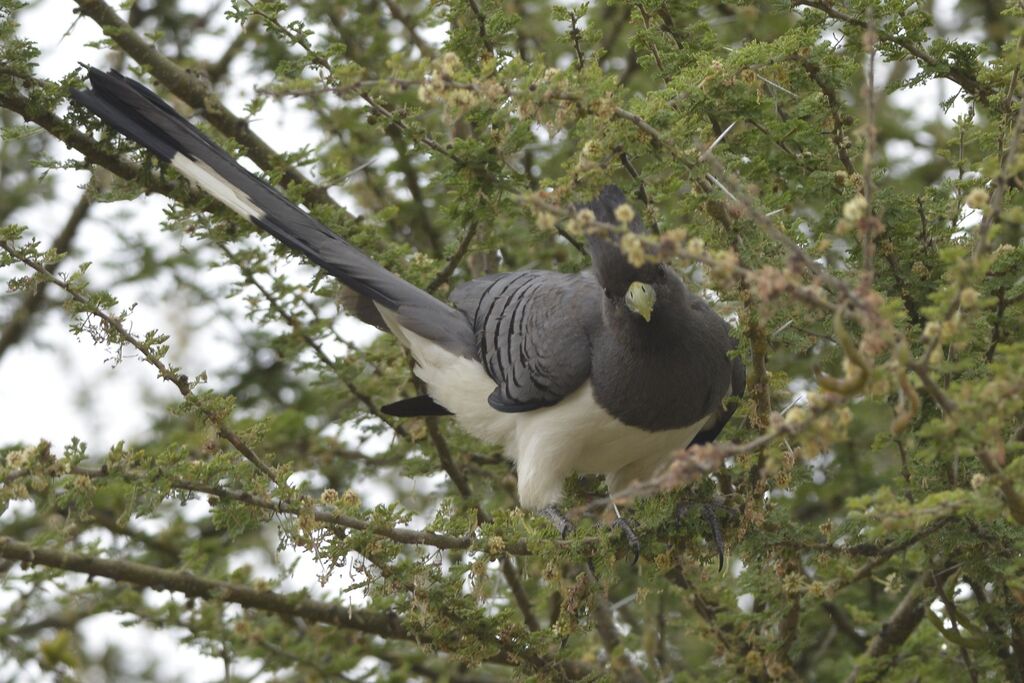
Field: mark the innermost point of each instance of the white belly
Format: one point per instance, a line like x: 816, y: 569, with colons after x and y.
x: 605, y: 444
x: 549, y: 444
x: 576, y: 435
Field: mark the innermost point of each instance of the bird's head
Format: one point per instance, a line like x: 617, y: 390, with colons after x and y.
x: 630, y: 288
x: 640, y: 298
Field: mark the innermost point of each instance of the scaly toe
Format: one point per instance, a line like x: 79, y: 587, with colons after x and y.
x: 708, y: 512
x: 560, y: 521
x: 631, y: 537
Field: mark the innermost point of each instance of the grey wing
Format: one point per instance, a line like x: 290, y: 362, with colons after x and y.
x: 533, y: 332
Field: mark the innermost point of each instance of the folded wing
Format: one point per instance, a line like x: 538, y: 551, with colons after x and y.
x: 532, y: 331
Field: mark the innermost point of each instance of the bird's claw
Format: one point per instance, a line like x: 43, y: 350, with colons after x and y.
x: 560, y: 521
x: 708, y: 513
x: 631, y: 537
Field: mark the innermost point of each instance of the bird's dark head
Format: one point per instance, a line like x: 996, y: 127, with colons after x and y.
x: 633, y: 288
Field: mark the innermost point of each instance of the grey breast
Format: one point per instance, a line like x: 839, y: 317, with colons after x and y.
x: 667, y: 374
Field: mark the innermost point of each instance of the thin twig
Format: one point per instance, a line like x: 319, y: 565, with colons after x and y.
x: 150, y: 354
x: 869, y: 223
x: 410, y: 26
x: 197, y: 94
x: 456, y: 258
x: 32, y: 302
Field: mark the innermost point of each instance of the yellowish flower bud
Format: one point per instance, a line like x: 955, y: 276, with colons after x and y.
x: 585, y: 217
x: 633, y: 248
x: 18, y: 459
x: 854, y: 209
x: 546, y: 221
x: 969, y: 297
x: 624, y: 213
x: 794, y: 416
x: 977, y: 198
x: 449, y: 63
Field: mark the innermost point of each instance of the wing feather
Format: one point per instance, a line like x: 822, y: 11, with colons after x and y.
x: 533, y: 331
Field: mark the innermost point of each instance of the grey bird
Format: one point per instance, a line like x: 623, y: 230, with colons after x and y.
x: 606, y: 371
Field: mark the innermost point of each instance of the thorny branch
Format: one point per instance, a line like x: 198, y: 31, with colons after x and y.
x: 952, y: 71
x: 32, y: 302
x: 151, y: 355
x: 192, y: 585
x: 194, y: 92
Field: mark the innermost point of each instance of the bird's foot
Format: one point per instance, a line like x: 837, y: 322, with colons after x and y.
x: 708, y: 511
x: 631, y: 538
x: 565, y: 527
x: 560, y: 521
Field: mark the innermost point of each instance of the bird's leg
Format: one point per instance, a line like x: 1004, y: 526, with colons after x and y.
x: 565, y: 527
x: 560, y: 521
x: 708, y: 513
x: 627, y: 531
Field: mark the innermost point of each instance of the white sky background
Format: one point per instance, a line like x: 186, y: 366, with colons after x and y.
x: 55, y: 387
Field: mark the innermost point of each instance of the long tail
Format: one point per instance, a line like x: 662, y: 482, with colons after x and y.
x: 139, y: 114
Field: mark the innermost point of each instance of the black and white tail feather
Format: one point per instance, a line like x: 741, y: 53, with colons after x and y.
x: 139, y: 114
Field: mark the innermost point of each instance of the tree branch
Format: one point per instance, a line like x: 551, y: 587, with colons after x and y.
x: 150, y: 354
x: 195, y: 586
x: 895, y: 631
x: 18, y: 324
x: 950, y: 70
x: 194, y: 92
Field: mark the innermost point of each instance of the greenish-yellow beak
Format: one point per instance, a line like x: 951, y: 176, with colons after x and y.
x: 640, y: 299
